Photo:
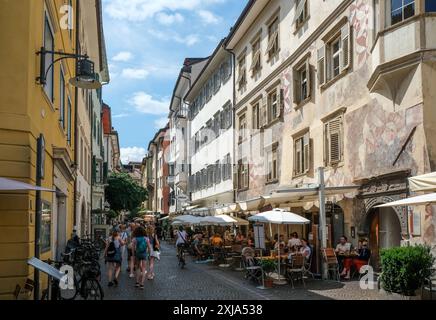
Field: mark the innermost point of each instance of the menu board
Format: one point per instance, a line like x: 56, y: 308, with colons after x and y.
x: 259, y: 236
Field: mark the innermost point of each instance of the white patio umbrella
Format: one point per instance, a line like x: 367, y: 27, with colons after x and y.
x: 186, y: 220
x: 412, y: 201
x: 13, y: 185
x: 279, y: 216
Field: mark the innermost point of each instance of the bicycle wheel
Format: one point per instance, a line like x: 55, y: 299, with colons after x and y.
x: 92, y: 290
x: 69, y: 294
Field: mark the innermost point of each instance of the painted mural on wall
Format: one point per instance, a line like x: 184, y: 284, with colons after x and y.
x: 376, y: 137
x: 360, y: 18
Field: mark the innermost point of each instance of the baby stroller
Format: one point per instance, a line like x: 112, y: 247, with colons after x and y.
x: 253, y: 271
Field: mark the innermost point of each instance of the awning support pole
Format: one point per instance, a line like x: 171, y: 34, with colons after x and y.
x: 322, y: 220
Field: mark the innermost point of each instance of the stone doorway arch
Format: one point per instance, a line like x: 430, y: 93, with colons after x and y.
x: 383, y: 227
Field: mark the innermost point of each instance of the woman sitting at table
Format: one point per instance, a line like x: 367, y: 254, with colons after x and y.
x: 305, y: 249
x: 278, y: 242
x: 364, y: 253
x: 239, y: 238
x: 294, y: 241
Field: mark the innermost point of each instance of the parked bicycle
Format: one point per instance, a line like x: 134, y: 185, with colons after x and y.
x: 83, y: 257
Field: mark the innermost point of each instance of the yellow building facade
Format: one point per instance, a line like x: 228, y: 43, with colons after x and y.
x: 28, y: 110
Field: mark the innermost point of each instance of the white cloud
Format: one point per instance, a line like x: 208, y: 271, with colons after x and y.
x: 135, y: 154
x: 208, y: 17
x: 140, y: 10
x: 169, y: 19
x: 121, y: 115
x: 134, y: 73
x: 188, y: 40
x: 123, y: 56
x: 145, y: 103
x: 160, y: 123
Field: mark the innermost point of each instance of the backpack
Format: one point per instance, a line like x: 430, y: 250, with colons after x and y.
x: 111, y: 250
x: 141, y: 246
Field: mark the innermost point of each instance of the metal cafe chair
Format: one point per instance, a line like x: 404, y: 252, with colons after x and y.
x: 331, y: 260
x: 295, y: 270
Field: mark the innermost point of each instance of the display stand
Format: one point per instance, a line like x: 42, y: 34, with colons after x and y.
x: 259, y: 243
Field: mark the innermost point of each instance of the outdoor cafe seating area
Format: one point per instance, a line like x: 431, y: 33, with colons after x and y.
x: 284, y: 258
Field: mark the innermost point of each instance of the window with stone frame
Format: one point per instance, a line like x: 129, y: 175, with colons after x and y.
x: 62, y: 98
x: 226, y: 70
x: 301, y: 13
x: 400, y: 10
x: 242, y: 128
x: 334, y: 57
x: 49, y: 45
x: 333, y: 141
x: 243, y: 174
x: 226, y: 168
x: 242, y: 71
x: 210, y: 175
x: 204, y: 178
x: 272, y: 164
x: 198, y: 181
x: 302, y: 154
x: 274, y: 107
x: 217, y: 124
x: 216, y: 81
x: 256, y: 115
x: 256, y: 59
x: 430, y: 6
x: 217, y: 172
x: 302, y: 84
x: 273, y: 38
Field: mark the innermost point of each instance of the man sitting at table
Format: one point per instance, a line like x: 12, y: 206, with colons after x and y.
x: 342, y: 250
x: 216, y: 240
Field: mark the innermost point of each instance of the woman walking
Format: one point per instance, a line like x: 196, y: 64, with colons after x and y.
x: 140, y: 245
x: 112, y: 255
x: 155, y: 245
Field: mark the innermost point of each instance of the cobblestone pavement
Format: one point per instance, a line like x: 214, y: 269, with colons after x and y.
x: 206, y: 282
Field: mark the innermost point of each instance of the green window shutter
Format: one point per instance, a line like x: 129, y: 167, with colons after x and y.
x: 94, y: 170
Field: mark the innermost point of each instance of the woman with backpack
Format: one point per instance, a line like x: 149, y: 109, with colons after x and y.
x: 112, y: 255
x: 154, y: 242
x: 141, y: 249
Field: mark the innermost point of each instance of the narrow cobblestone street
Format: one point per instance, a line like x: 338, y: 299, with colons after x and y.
x: 207, y: 282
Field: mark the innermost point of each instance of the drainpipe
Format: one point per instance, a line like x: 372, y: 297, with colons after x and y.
x: 76, y: 117
x: 234, y: 116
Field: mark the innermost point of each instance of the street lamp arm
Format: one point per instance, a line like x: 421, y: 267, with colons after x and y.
x: 43, y: 52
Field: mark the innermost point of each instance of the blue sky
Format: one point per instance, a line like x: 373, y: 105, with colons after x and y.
x: 147, y: 41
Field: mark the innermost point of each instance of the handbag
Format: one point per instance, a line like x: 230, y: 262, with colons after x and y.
x: 156, y: 254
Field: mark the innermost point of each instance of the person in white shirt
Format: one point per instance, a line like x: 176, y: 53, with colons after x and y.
x: 343, y: 247
x: 182, y: 238
x: 294, y: 241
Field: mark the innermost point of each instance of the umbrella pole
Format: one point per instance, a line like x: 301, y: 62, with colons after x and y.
x: 279, y: 276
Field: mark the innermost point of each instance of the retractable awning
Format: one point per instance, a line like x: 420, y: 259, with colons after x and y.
x: 412, y: 201
x: 13, y: 185
x: 425, y: 182
x: 253, y: 204
x: 294, y: 196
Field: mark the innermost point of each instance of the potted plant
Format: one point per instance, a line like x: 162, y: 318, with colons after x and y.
x: 404, y: 269
x: 268, y: 267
